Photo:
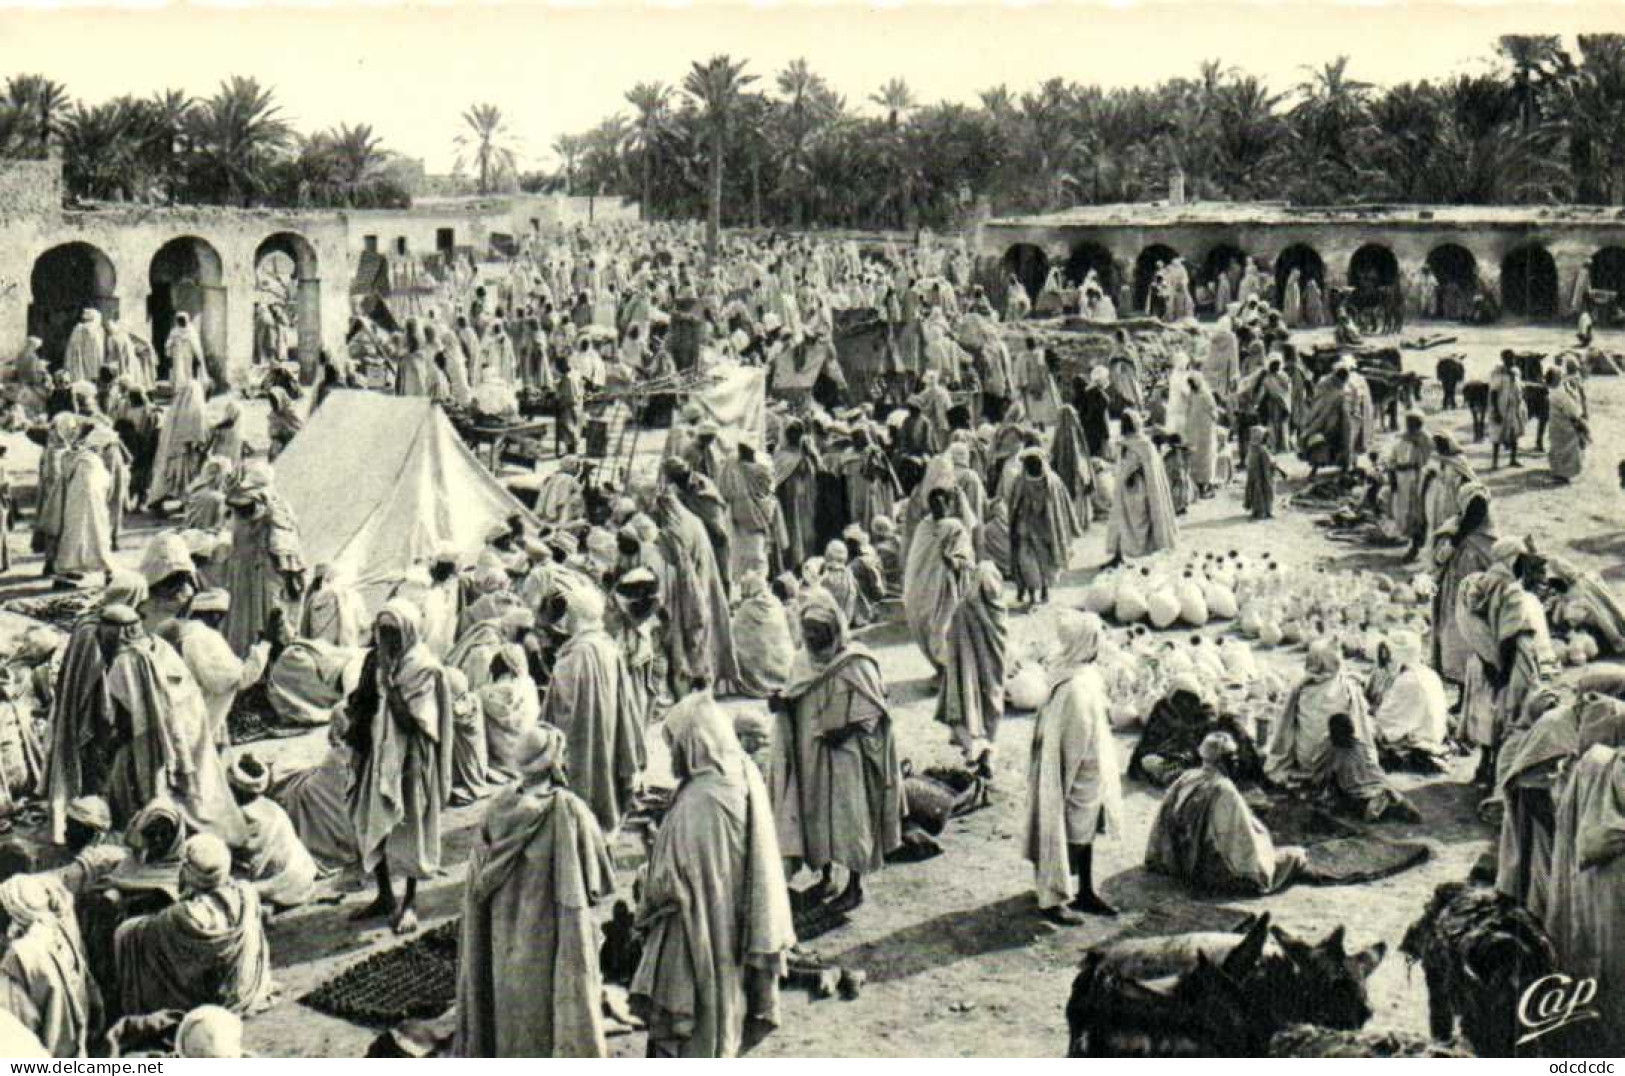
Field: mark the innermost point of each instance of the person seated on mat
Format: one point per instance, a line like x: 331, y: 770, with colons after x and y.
x: 1206, y: 836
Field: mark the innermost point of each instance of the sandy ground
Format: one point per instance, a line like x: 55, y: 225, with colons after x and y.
x: 958, y: 962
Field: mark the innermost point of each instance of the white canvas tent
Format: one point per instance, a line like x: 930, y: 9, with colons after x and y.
x: 379, y: 482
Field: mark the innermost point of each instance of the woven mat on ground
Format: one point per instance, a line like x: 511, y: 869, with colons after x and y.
x: 1353, y: 860
x: 251, y: 718
x: 1296, y: 822
x: 418, y: 979
x: 1340, y: 852
x: 411, y: 981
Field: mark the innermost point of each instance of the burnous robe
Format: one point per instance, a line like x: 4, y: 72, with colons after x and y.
x: 1207, y: 836
x: 405, y: 777
x: 837, y: 781
x: 528, y: 984
x: 716, y: 911
x: 938, y: 557
x: 1043, y: 524
x: 590, y: 702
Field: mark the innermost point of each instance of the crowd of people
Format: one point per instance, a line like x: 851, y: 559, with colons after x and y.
x: 524, y: 679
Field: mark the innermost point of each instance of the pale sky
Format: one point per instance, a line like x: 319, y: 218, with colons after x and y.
x: 410, y: 70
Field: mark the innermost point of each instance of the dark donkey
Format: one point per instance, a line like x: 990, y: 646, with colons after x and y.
x: 1112, y: 1014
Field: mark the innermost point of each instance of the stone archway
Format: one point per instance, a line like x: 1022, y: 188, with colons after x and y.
x: 66, y: 281
x: 1373, y: 265
x: 1087, y: 256
x: 1455, y: 276
x: 1608, y: 273
x: 1145, y: 270
x: 288, y: 279
x: 1306, y: 260
x: 1529, y: 283
x: 186, y: 277
x: 1028, y: 264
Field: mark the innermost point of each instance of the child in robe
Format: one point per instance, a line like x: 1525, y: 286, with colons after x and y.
x: 1176, y: 461
x: 1261, y: 472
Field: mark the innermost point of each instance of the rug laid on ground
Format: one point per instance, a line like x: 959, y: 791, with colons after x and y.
x: 415, y: 980
x: 1338, y: 851
x: 418, y: 979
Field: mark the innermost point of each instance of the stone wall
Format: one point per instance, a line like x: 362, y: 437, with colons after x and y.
x: 30, y: 189
x: 471, y: 225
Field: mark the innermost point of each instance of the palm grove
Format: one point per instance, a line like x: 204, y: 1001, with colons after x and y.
x: 1541, y: 124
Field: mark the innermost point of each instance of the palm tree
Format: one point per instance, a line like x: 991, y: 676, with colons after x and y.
x: 570, y: 149
x: 896, y: 99
x: 357, y: 159
x: 490, y: 144
x: 715, y: 87
x: 99, y: 148
x: 1330, y: 120
x: 652, y: 100
x: 43, y: 103
x: 801, y: 112
x: 164, y: 141
x: 1531, y: 56
x: 237, y: 136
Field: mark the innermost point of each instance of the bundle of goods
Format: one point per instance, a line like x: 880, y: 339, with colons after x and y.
x: 60, y: 610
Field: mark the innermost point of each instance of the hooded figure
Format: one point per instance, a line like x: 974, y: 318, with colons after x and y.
x: 1206, y: 835
x: 403, y: 718
x: 183, y: 445
x: 266, y: 570
x: 1043, y: 524
x: 1413, y: 715
x: 1074, y: 782
x: 1142, y: 520
x: 837, y: 781
x: 715, y: 913
x: 537, y: 870
x: 972, y: 698
x: 161, y: 722
x: 590, y: 701
x: 1588, y: 878
x: 938, y: 557
x: 1535, y: 763
x: 87, y: 348
x: 764, y: 643
x: 44, y: 980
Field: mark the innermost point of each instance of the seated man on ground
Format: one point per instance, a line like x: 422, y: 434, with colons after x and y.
x: 273, y: 857
x: 1206, y: 835
x: 1174, y: 731
x: 209, y: 948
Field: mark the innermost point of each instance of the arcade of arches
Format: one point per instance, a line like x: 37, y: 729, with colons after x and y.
x: 185, y: 274
x: 1529, y: 279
